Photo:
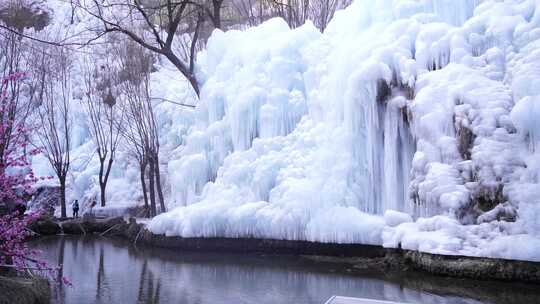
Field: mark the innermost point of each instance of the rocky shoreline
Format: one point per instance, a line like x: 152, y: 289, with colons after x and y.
x: 364, y: 256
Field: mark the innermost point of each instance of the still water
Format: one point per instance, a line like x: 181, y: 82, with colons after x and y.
x: 113, y: 271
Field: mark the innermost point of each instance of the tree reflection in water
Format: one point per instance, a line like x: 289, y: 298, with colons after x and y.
x: 58, y: 286
x: 149, y: 287
x: 100, y: 275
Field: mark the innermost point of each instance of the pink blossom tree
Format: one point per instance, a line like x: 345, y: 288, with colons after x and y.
x: 16, y: 182
x: 16, y: 176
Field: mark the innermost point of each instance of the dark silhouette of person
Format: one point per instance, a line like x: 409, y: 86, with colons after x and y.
x: 76, y: 208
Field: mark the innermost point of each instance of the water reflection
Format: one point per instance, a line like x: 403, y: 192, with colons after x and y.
x: 149, y: 287
x: 58, y: 290
x: 106, y: 271
x: 100, y: 275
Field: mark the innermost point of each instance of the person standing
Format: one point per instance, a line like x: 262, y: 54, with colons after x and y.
x: 75, y: 207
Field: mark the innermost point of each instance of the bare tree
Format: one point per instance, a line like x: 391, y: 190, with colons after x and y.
x: 153, y: 152
x: 322, y: 11
x: 54, y: 134
x: 141, y: 128
x: 154, y: 24
x: 16, y: 59
x: 16, y: 110
x: 213, y: 10
x: 295, y: 12
x: 135, y: 134
x: 104, y: 118
x: 248, y: 12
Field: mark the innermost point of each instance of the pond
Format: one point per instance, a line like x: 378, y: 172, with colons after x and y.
x: 114, y: 271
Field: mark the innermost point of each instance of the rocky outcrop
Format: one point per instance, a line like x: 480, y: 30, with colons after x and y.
x: 86, y: 225
x: 89, y: 225
x: 472, y: 267
x: 45, y: 226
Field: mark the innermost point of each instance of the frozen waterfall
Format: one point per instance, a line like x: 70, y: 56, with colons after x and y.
x: 353, y: 135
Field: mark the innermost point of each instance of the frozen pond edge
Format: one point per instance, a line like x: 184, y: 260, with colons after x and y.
x: 380, y: 258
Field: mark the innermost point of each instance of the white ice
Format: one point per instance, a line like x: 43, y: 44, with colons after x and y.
x: 385, y: 129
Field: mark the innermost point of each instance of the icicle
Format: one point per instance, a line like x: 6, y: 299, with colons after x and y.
x: 244, y: 120
x: 525, y: 116
x: 398, y: 152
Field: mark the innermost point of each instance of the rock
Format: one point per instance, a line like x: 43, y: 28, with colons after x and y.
x: 91, y: 225
x: 102, y: 225
x: 473, y: 267
x: 132, y: 229
x: 45, y: 226
x: 502, y: 212
x: 73, y: 227
x: 466, y: 139
x: 16, y: 290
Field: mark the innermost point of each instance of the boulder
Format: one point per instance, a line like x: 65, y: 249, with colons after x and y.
x: 88, y: 225
x: 45, y: 226
x: 73, y: 227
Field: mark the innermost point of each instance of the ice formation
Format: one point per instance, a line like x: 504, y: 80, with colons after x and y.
x: 412, y: 123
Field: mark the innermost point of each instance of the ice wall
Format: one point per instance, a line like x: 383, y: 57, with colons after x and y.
x: 407, y: 123
x: 397, y: 126
x: 306, y: 135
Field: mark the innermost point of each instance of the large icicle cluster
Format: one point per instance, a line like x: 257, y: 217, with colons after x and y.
x: 426, y: 112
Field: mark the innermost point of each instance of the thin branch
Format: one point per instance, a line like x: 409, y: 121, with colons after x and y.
x: 174, y: 102
x: 61, y: 43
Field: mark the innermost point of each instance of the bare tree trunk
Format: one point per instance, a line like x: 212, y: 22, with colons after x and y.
x: 188, y: 72
x: 151, y: 175
x: 104, y: 178
x: 60, y: 271
x: 103, y: 117
x: 102, y: 185
x: 101, y: 274
x: 158, y: 183
x: 63, y: 213
x: 54, y: 134
x: 216, y: 16
x: 140, y: 296
x: 72, y: 20
x: 102, y: 188
x: 142, y: 167
x: 141, y: 129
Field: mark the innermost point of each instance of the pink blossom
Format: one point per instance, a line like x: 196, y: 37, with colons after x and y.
x: 16, y: 181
